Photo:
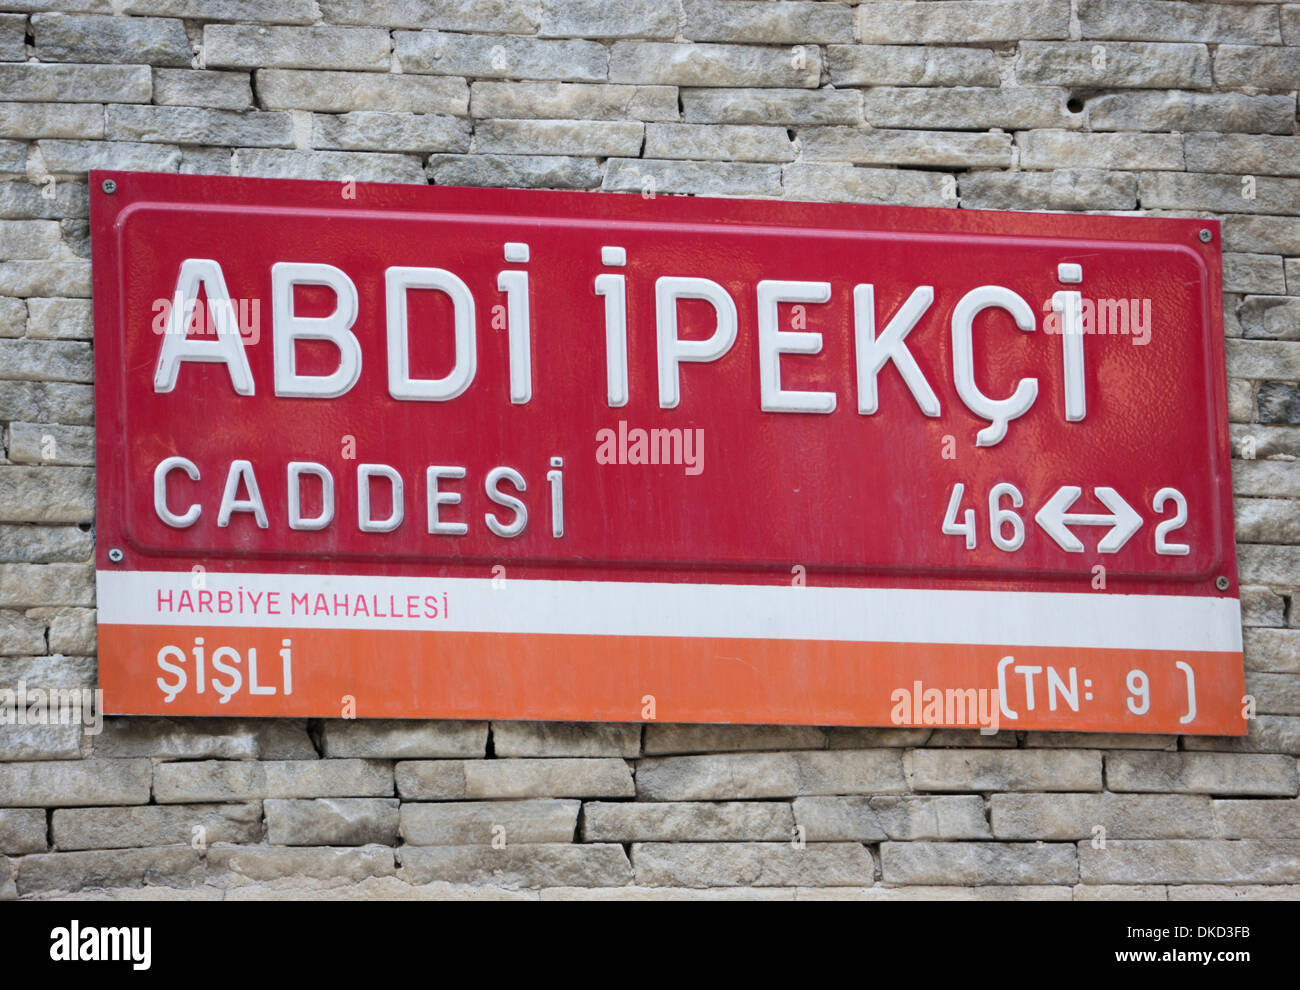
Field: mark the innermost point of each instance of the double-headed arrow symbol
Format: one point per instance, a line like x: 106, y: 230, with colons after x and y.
x: 1055, y: 519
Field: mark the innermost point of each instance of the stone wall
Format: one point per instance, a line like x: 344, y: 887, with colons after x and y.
x: 1086, y: 105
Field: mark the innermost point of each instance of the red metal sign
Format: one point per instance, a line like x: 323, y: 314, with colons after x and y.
x: 449, y: 452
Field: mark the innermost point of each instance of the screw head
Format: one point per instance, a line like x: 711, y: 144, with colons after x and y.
x: 1221, y: 583
x: 115, y: 555
x: 1206, y: 235
x: 109, y: 186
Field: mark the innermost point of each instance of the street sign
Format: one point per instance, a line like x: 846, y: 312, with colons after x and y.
x: 467, y: 453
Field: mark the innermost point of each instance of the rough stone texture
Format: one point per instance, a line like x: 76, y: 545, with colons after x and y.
x: 48, y: 741
x: 964, y: 21
x: 22, y: 830
x: 867, y: 185
x: 58, y: 319
x: 49, y: 671
x: 977, y: 863
x: 1063, y: 189
x: 196, y: 125
x: 50, y: 443
x: 1275, y: 650
x: 71, y: 38
x: 1277, y: 235
x: 331, y: 821
x: 1279, y: 402
x: 204, y: 739
x: 1121, y: 892
x: 1160, y: 107
x: 769, y: 775
x: 994, y: 770
x: 543, y: 865
x: 58, y: 361
x: 591, y: 139
x: 402, y: 739
x: 1265, y: 734
x: 573, y: 101
x: 536, y: 171
x: 1292, y: 273
x: 51, y: 120
x: 1118, y: 816
x: 1131, y: 65
x: 661, y: 740
x: 1275, y: 694
x: 13, y: 28
x: 457, y: 15
x: 339, y: 92
x: 200, y: 88
x: 1270, y: 318
x: 1044, y: 149
x: 155, y: 825
x: 566, y: 739
x: 336, y: 866
x: 1258, y: 819
x: 75, y: 157
x: 1098, y: 740
x: 1234, y: 892
x: 46, y: 494
x: 1252, y: 273
x: 880, y: 146
x: 168, y: 866
x: 1263, y: 154
x: 871, y: 819
x: 1028, y: 892
x: 1201, y: 773
x: 1190, y: 861
x: 385, y: 888
x: 20, y: 634
x: 712, y: 65
x: 240, y: 46
x: 66, y: 278
x: 1178, y: 21
x: 597, y: 19
x: 66, y: 783
x: 967, y: 108
x: 50, y: 83
x: 473, y: 823
x: 70, y: 630
x: 769, y: 106
x: 506, y: 778
x: 723, y: 142
x: 909, y: 65
x: 332, y: 166
x: 1170, y: 190
x: 687, y: 821
x: 746, y: 864
x: 493, y: 57
x: 1262, y: 606
x: 1146, y: 111
x: 691, y: 178
x: 1242, y: 403
x: 236, y: 780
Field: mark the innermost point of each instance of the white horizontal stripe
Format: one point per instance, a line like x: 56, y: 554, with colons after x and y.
x: 1005, y: 618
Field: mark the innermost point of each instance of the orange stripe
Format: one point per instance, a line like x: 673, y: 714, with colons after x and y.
x: 414, y: 674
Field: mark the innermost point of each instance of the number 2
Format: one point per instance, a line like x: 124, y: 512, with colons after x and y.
x: 1167, y: 526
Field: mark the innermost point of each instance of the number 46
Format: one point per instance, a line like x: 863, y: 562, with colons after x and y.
x: 999, y: 517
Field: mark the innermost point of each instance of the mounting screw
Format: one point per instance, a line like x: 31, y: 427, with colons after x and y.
x: 115, y: 555
x: 1220, y: 582
x: 1206, y: 235
x: 110, y: 187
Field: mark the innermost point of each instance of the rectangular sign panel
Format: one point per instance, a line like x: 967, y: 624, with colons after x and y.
x: 436, y: 452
